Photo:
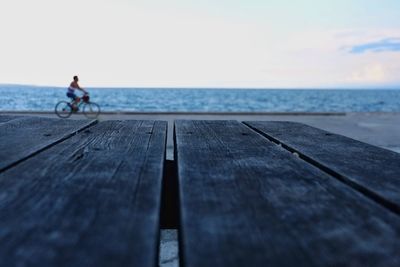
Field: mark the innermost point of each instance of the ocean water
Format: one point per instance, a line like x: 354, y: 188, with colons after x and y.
x: 29, y: 98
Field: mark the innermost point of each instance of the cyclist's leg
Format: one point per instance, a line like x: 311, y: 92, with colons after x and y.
x: 74, y: 100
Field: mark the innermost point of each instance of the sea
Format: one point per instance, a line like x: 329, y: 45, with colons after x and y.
x: 36, y: 98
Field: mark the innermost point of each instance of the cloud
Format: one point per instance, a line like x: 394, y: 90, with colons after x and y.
x: 373, y: 73
x: 385, y: 45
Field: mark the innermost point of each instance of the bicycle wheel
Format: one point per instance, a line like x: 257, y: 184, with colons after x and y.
x: 91, y: 110
x: 63, y: 109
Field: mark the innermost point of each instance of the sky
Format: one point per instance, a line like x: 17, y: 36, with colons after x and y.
x: 201, y: 43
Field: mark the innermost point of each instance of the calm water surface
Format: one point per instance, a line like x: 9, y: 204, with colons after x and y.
x: 28, y: 98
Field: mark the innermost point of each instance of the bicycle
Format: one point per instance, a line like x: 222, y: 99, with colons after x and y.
x: 91, y: 110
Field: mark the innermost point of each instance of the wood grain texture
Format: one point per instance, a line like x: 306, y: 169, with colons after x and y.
x: 244, y: 201
x: 24, y: 136
x: 372, y: 170
x: 92, y: 200
x: 5, y: 118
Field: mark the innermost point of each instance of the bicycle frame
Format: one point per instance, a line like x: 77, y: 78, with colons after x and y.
x: 81, y: 101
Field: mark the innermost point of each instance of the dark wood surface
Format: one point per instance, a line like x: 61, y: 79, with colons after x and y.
x: 372, y: 170
x: 91, y: 200
x: 244, y: 201
x: 22, y: 137
x: 5, y: 118
x: 77, y: 193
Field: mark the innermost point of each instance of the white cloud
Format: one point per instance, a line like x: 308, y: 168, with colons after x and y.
x: 371, y: 73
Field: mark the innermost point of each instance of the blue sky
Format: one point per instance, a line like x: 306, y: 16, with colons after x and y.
x: 385, y: 45
x: 225, y: 43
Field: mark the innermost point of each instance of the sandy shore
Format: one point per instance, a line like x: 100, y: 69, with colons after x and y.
x: 380, y: 129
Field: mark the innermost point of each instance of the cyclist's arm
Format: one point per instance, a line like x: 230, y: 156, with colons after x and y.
x: 80, y: 88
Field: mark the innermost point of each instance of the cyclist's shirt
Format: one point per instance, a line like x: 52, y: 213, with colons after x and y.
x: 71, y: 90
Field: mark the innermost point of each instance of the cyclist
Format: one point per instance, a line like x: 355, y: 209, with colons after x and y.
x: 71, y: 92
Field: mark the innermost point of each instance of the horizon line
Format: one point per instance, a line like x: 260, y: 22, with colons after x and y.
x: 369, y: 87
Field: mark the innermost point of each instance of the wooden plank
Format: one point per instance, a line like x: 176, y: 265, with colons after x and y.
x: 92, y: 200
x: 5, y: 118
x: 26, y: 136
x: 372, y: 170
x: 244, y: 201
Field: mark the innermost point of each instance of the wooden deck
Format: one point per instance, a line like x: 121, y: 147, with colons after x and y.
x: 88, y: 193
x: 91, y: 200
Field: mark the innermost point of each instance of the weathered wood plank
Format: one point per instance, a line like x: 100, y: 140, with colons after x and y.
x: 25, y: 136
x: 92, y: 200
x: 245, y: 201
x: 5, y: 118
x: 372, y: 170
